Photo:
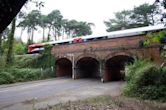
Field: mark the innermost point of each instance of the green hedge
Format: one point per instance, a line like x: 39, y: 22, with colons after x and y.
x: 146, y: 80
x: 12, y: 75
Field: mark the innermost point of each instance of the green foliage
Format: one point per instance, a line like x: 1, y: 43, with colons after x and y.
x: 25, y: 61
x: 140, y: 16
x: 48, y: 73
x: 19, y: 48
x: 28, y: 68
x: 146, y: 80
x: 2, y: 62
x: 31, y: 21
x: 46, y: 59
x: 144, y: 14
x: 121, y: 20
x: 6, y: 78
x: 154, y: 37
x: 55, y: 23
x: 75, y: 28
x: 12, y: 75
x: 9, y: 58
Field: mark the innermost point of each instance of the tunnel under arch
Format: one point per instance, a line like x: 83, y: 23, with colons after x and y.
x: 115, y: 67
x: 63, y: 67
x: 87, y: 67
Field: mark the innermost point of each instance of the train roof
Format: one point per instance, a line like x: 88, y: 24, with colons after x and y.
x: 117, y: 34
x: 128, y: 32
x: 61, y: 41
x: 135, y: 31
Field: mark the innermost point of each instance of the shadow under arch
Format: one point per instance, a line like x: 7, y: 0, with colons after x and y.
x: 87, y: 67
x: 115, y: 67
x: 63, y: 67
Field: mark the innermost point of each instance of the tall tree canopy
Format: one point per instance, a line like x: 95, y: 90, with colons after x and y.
x: 54, y: 24
x: 31, y: 21
x: 122, y: 20
x: 143, y: 15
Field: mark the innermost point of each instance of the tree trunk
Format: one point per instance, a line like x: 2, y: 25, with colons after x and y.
x: 32, y: 35
x: 22, y: 30
x: 0, y: 44
x: 48, y: 36
x: 9, y: 59
x: 43, y: 34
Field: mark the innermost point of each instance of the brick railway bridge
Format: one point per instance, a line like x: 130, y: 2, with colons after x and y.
x: 103, y: 59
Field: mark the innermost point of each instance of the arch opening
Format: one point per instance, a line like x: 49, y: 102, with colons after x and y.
x: 87, y: 67
x: 115, y: 67
x: 63, y: 67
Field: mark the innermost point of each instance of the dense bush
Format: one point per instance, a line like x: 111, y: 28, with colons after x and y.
x: 2, y: 61
x: 26, y: 61
x: 6, y: 78
x: 20, y: 48
x: 146, y: 80
x: 44, y: 60
x: 12, y: 75
x: 28, y: 67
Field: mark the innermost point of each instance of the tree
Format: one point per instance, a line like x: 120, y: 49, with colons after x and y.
x: 83, y: 28
x: 9, y: 58
x: 161, y: 4
x: 31, y: 21
x: 143, y: 15
x: 54, y: 20
x: 43, y: 24
x: 21, y: 16
x: 122, y: 20
x: 74, y: 28
x: 3, y: 36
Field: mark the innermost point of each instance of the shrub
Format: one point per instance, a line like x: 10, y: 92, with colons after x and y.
x: 2, y: 61
x: 32, y: 74
x: 44, y: 60
x: 19, y: 48
x: 26, y: 61
x: 25, y: 74
x: 146, y: 80
x: 11, y: 75
x: 6, y: 78
x: 18, y: 74
x: 48, y: 73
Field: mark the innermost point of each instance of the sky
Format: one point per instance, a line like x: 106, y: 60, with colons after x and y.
x: 94, y: 11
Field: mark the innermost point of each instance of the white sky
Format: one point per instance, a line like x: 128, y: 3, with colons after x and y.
x: 95, y: 11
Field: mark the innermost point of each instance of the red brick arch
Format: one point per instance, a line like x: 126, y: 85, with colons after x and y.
x: 86, y: 55
x: 59, y: 58
x: 117, y: 54
x: 63, y: 67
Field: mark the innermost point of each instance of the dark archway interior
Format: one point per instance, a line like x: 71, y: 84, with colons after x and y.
x: 63, y: 67
x: 115, y: 67
x: 88, y: 67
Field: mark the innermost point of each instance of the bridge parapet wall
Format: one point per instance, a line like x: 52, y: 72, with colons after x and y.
x: 100, y: 44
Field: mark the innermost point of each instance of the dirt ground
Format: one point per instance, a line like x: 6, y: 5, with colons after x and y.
x: 108, y: 103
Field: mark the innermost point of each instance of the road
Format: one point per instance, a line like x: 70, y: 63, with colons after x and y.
x: 23, y: 96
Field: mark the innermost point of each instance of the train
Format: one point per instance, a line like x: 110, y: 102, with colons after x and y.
x: 39, y: 47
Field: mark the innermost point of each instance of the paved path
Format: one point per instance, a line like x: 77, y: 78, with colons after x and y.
x: 23, y: 96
